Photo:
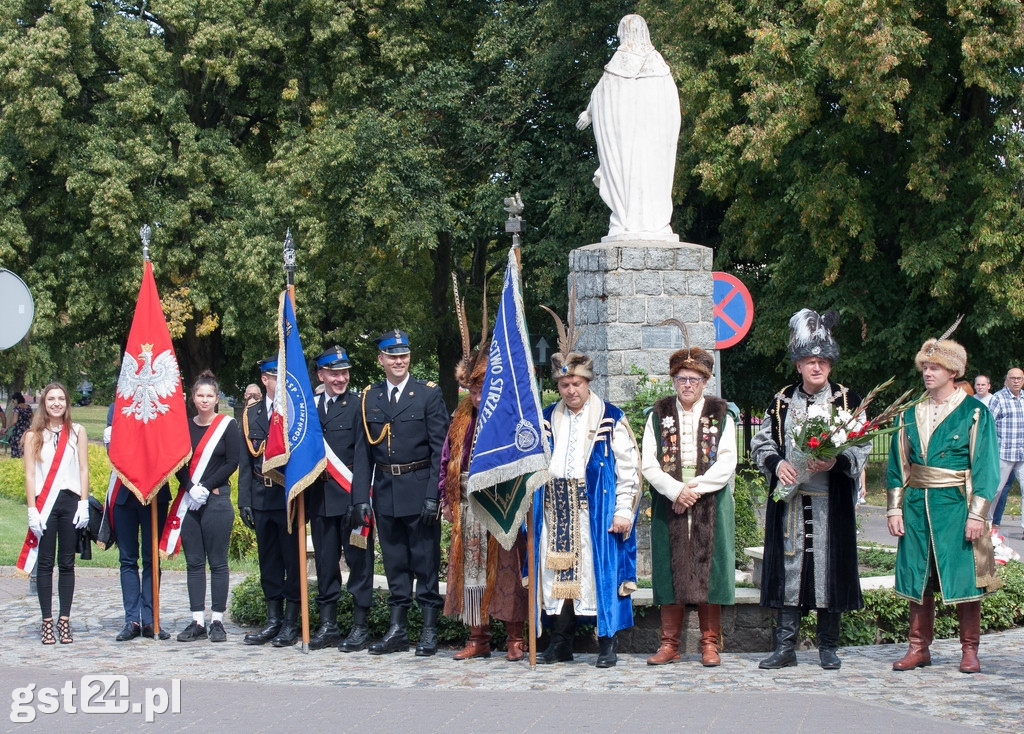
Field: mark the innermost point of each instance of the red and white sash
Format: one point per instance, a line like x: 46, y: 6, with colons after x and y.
x: 170, y: 539
x: 337, y: 469
x: 45, y: 500
x: 343, y: 476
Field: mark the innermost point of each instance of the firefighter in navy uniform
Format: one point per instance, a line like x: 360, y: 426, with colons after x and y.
x: 404, y: 424
x: 262, y: 506
x: 328, y: 505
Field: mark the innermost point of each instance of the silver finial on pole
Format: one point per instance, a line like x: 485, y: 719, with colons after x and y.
x: 144, y: 233
x: 514, y: 224
x: 289, y: 256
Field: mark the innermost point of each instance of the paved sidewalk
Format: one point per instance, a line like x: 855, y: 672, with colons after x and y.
x: 239, y: 687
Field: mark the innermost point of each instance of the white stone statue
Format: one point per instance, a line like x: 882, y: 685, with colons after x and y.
x: 635, y: 112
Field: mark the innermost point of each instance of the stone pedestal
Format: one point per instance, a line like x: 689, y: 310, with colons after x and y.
x: 623, y: 291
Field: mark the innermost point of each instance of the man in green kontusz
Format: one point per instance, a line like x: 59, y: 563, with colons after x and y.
x: 943, y: 475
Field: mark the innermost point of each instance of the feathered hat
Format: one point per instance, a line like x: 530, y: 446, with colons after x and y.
x: 689, y: 358
x: 565, y: 362
x: 944, y: 351
x: 472, y: 368
x: 810, y: 335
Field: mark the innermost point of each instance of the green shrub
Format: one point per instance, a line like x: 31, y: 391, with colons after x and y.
x: 886, y: 616
x: 750, y: 492
x: 243, y: 540
x: 248, y: 608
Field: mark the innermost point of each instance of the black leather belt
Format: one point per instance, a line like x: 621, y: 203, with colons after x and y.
x: 267, y: 481
x: 397, y: 469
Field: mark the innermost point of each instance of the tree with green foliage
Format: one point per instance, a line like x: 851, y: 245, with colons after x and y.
x: 866, y: 156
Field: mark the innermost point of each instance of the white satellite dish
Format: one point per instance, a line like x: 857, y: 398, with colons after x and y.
x: 16, y: 309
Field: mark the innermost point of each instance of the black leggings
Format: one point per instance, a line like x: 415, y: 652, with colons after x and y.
x: 60, y: 533
x: 205, y: 534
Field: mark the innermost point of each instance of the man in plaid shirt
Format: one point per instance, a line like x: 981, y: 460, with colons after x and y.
x: 1007, y: 407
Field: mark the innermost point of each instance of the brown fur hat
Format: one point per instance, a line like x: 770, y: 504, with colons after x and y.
x: 945, y: 352
x: 470, y: 372
x: 692, y: 358
x: 573, y: 363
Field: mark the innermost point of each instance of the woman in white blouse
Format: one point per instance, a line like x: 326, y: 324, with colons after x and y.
x: 57, y: 493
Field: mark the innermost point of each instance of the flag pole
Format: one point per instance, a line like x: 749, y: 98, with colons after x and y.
x: 514, y: 225
x: 300, y: 510
x: 154, y: 539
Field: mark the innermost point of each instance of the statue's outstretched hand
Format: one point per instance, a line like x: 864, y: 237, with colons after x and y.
x: 584, y: 120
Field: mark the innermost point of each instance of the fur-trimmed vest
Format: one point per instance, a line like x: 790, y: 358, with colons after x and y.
x: 691, y: 535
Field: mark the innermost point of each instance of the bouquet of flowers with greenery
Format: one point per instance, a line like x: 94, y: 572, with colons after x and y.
x: 827, y: 431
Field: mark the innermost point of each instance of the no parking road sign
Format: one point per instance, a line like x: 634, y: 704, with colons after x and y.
x: 734, y: 310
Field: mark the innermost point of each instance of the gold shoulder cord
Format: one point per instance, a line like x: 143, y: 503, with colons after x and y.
x: 245, y: 429
x: 385, y: 432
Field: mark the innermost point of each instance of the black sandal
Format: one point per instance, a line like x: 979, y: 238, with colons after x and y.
x: 47, y: 633
x: 64, y: 630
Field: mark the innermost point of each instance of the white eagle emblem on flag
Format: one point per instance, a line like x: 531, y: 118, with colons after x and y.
x: 145, y: 385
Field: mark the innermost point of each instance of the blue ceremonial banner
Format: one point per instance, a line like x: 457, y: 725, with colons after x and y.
x: 295, y: 443
x: 510, y: 459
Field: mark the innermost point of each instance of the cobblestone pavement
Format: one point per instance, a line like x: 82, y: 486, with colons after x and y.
x: 448, y: 693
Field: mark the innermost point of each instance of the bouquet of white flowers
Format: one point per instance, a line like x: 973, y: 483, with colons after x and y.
x: 827, y: 431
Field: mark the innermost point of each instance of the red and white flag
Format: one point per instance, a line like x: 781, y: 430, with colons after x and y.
x: 149, y: 436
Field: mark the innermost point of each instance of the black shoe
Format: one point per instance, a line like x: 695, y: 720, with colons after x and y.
x: 829, y: 624
x: 563, y: 629
x: 289, y: 633
x: 217, y: 633
x: 271, y: 628
x: 193, y: 632
x: 607, y: 658
x: 787, y: 632
x: 328, y: 635
x: 557, y: 652
x: 397, y: 637
x: 147, y: 631
x: 427, y: 645
x: 130, y: 631
x: 359, y: 636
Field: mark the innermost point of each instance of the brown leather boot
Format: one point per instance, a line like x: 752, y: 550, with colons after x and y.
x: 969, y: 613
x: 671, y: 627
x: 514, y: 630
x: 478, y: 645
x: 922, y: 626
x: 709, y: 617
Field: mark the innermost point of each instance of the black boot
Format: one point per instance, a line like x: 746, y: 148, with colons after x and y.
x: 359, y: 636
x: 828, y: 639
x: 328, y: 635
x: 397, y: 637
x: 271, y: 628
x: 563, y: 628
x: 607, y: 658
x: 427, y: 645
x: 289, y: 633
x: 786, y: 635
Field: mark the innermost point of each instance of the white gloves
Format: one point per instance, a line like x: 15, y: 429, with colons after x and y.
x: 35, y: 523
x: 106, y: 436
x: 197, y: 496
x: 82, y: 515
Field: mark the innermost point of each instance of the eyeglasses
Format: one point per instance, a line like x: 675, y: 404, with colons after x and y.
x: 687, y: 380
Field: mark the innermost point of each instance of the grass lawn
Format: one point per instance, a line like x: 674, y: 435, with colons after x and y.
x: 876, y: 490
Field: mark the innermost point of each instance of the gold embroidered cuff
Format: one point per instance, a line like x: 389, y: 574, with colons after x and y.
x: 979, y: 506
x: 976, y: 516
x: 894, y: 500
